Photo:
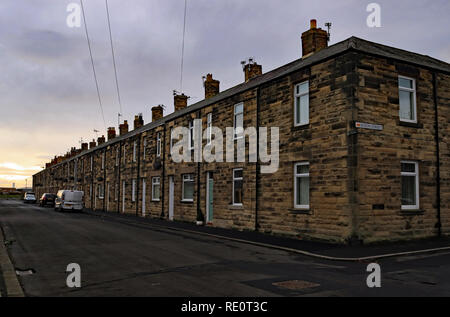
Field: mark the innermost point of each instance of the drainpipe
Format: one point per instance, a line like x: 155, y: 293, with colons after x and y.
x: 438, y: 164
x: 119, y: 181
x: 163, y: 170
x: 257, y: 160
x: 138, y: 174
x: 200, y: 216
x: 105, y: 194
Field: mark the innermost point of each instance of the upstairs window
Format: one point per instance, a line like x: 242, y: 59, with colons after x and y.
x: 301, y: 104
x: 92, y: 163
x: 145, y: 147
x: 103, y: 160
x: 117, y: 156
x: 209, y: 128
x: 134, y: 151
x: 410, y: 185
x: 407, y: 99
x: 191, y: 135
x: 238, y: 120
x: 158, y: 144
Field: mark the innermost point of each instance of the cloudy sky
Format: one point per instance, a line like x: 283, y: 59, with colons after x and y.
x: 48, y: 96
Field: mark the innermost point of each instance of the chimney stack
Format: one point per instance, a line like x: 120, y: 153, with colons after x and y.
x: 180, y: 101
x: 138, y: 121
x: 101, y: 140
x: 157, y: 112
x: 84, y: 146
x: 123, y: 128
x: 111, y: 133
x: 251, y: 69
x: 211, y: 86
x: 92, y: 144
x: 313, y: 40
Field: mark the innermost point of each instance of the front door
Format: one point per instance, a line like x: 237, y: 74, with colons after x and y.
x: 209, y: 196
x: 170, y: 197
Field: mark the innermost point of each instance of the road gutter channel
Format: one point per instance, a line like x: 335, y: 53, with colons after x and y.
x: 11, y: 282
x: 291, y: 250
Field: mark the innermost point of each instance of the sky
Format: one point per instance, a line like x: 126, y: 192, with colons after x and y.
x: 48, y: 96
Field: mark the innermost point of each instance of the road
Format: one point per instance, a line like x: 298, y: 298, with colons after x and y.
x: 126, y: 258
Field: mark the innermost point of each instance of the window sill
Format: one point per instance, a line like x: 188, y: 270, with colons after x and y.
x: 156, y: 200
x: 297, y: 211
x: 301, y: 127
x: 410, y: 124
x: 411, y: 212
x: 236, y: 207
x: 187, y: 201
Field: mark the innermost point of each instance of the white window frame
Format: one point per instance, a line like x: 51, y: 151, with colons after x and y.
x: 413, y: 90
x: 171, y: 140
x: 416, y: 175
x: 134, y: 151
x: 301, y: 175
x: 133, y: 190
x: 234, y: 120
x: 298, y: 95
x: 158, y: 144
x: 187, y: 178
x: 191, y: 134
x: 156, y: 180
x: 237, y: 179
x: 209, y: 128
x: 101, y: 192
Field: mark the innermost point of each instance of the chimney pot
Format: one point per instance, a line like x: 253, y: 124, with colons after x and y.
x: 157, y: 112
x: 123, y: 128
x: 313, y: 40
x: 92, y: 144
x: 138, y: 121
x: 180, y: 101
x: 111, y: 133
x: 211, y: 86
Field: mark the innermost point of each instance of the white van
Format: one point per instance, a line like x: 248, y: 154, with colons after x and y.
x: 69, y: 200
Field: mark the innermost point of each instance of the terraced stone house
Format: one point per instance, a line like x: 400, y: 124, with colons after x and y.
x: 364, y: 150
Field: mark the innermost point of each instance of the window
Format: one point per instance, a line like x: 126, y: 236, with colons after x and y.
x: 145, y: 147
x: 238, y: 120
x: 191, y: 135
x: 301, y: 104
x: 209, y: 128
x: 237, y: 186
x: 134, y: 151
x: 407, y: 99
x: 188, y: 187
x: 410, y: 185
x: 103, y: 160
x: 117, y: 156
x: 92, y: 163
x: 158, y: 144
x: 124, y: 153
x: 301, y: 185
x: 133, y: 190
x: 155, y: 188
x: 171, y: 140
x: 101, y: 193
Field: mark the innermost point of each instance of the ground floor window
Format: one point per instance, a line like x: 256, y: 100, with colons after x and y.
x: 238, y: 180
x: 101, y: 193
x: 156, y: 188
x: 301, y: 185
x: 410, y: 184
x: 188, y: 187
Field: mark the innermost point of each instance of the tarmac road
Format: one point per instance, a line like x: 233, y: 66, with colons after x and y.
x: 129, y: 258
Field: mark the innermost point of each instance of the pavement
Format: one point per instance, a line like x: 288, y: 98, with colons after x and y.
x: 131, y: 256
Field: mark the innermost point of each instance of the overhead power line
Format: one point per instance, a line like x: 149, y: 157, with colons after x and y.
x: 113, y: 57
x: 92, y: 63
x: 182, y: 47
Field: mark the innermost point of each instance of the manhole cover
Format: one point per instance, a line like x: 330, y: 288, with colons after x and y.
x: 25, y: 272
x: 296, y: 284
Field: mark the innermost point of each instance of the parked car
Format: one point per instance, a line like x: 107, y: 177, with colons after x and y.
x: 47, y: 199
x: 69, y: 200
x: 29, y: 197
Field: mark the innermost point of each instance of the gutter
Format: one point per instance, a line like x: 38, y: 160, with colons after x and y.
x: 257, y: 177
